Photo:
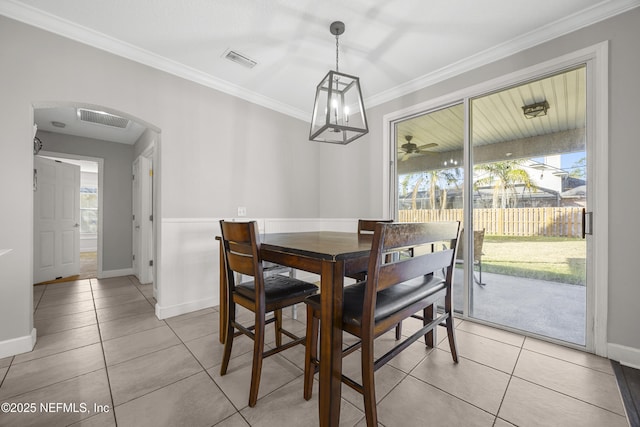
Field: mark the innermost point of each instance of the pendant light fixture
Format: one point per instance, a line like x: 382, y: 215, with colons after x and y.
x: 338, y: 111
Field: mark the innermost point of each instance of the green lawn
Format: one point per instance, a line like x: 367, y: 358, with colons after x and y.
x: 555, y: 259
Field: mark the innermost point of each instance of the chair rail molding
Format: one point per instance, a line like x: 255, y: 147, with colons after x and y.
x: 188, y: 271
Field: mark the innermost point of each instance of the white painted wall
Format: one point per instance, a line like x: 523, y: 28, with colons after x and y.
x: 364, y: 177
x: 209, y: 138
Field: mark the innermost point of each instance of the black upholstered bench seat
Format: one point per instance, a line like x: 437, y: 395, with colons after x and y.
x: 388, y: 301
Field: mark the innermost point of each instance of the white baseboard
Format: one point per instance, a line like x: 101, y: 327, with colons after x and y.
x: 188, y: 307
x: 116, y: 273
x: 18, y: 345
x: 627, y: 356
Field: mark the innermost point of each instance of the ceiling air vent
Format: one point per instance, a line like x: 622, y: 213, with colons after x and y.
x: 102, y: 118
x: 239, y: 58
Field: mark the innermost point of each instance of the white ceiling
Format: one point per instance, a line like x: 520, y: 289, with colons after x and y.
x: 395, y: 47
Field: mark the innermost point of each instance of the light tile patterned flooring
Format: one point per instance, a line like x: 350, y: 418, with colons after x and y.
x: 99, y: 343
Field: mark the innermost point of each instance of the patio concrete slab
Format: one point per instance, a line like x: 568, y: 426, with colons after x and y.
x: 551, y: 309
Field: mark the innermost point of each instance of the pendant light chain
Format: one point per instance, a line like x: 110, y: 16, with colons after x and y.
x: 337, y: 69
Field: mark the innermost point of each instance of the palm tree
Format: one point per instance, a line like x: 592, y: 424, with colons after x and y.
x: 414, y: 193
x: 503, y: 176
x: 433, y: 187
x: 432, y: 178
x: 438, y: 181
x: 450, y: 177
x: 404, y: 184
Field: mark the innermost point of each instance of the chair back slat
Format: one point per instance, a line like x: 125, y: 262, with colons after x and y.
x: 418, y: 234
x: 241, y: 245
x: 423, y: 241
x: 406, y: 269
x: 242, y: 264
x: 239, y: 232
x: 244, y: 248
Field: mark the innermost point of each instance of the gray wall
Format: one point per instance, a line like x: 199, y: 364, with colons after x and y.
x: 217, y: 152
x: 209, y: 139
x: 363, y: 183
x: 116, y: 191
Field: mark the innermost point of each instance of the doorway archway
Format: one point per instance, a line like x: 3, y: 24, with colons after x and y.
x: 74, y: 129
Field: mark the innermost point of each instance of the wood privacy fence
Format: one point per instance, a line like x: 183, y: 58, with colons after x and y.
x: 557, y: 222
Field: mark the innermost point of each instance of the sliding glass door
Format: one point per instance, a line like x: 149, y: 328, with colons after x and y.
x: 529, y: 194
x: 430, y: 170
x: 523, y: 152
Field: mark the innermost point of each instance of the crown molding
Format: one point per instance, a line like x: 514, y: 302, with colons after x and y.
x: 62, y: 27
x: 592, y: 15
x: 43, y: 20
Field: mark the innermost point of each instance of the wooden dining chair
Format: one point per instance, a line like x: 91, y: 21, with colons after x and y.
x: 366, y: 226
x: 478, y: 242
x: 396, y: 288
x: 259, y: 294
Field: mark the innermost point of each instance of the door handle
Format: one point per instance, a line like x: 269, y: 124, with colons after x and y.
x: 587, y: 223
x: 76, y: 225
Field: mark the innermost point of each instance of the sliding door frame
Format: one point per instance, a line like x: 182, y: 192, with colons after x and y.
x: 596, y: 60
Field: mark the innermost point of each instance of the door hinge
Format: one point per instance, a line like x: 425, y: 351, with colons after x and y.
x: 151, y: 263
x: 150, y: 217
x: 134, y: 257
x: 134, y: 217
x: 133, y: 177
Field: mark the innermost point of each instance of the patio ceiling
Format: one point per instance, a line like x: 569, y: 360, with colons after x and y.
x: 498, y: 118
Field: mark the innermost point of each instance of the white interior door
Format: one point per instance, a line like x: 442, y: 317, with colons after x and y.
x: 56, y: 220
x: 143, y: 219
x: 136, y: 218
x: 147, y: 188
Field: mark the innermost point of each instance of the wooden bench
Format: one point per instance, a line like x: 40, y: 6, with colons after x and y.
x: 397, y: 287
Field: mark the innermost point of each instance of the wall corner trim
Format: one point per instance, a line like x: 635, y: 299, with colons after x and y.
x: 627, y: 356
x: 23, y: 344
x: 116, y: 273
x: 187, y: 307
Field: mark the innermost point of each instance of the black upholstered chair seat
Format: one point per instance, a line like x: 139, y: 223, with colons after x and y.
x: 277, y: 288
x: 388, y: 301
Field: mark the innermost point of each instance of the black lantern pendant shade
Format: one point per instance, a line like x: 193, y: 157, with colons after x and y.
x: 338, y: 110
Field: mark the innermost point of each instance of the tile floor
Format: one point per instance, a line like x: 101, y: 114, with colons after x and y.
x: 103, y: 353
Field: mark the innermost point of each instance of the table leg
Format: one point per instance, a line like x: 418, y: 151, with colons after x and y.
x: 332, y: 280
x: 223, y: 297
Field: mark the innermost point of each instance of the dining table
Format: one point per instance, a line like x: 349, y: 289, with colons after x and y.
x: 331, y: 255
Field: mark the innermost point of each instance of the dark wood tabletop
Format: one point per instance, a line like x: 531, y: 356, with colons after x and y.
x: 319, y: 245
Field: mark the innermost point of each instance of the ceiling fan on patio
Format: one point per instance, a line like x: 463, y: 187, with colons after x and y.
x: 409, y: 149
